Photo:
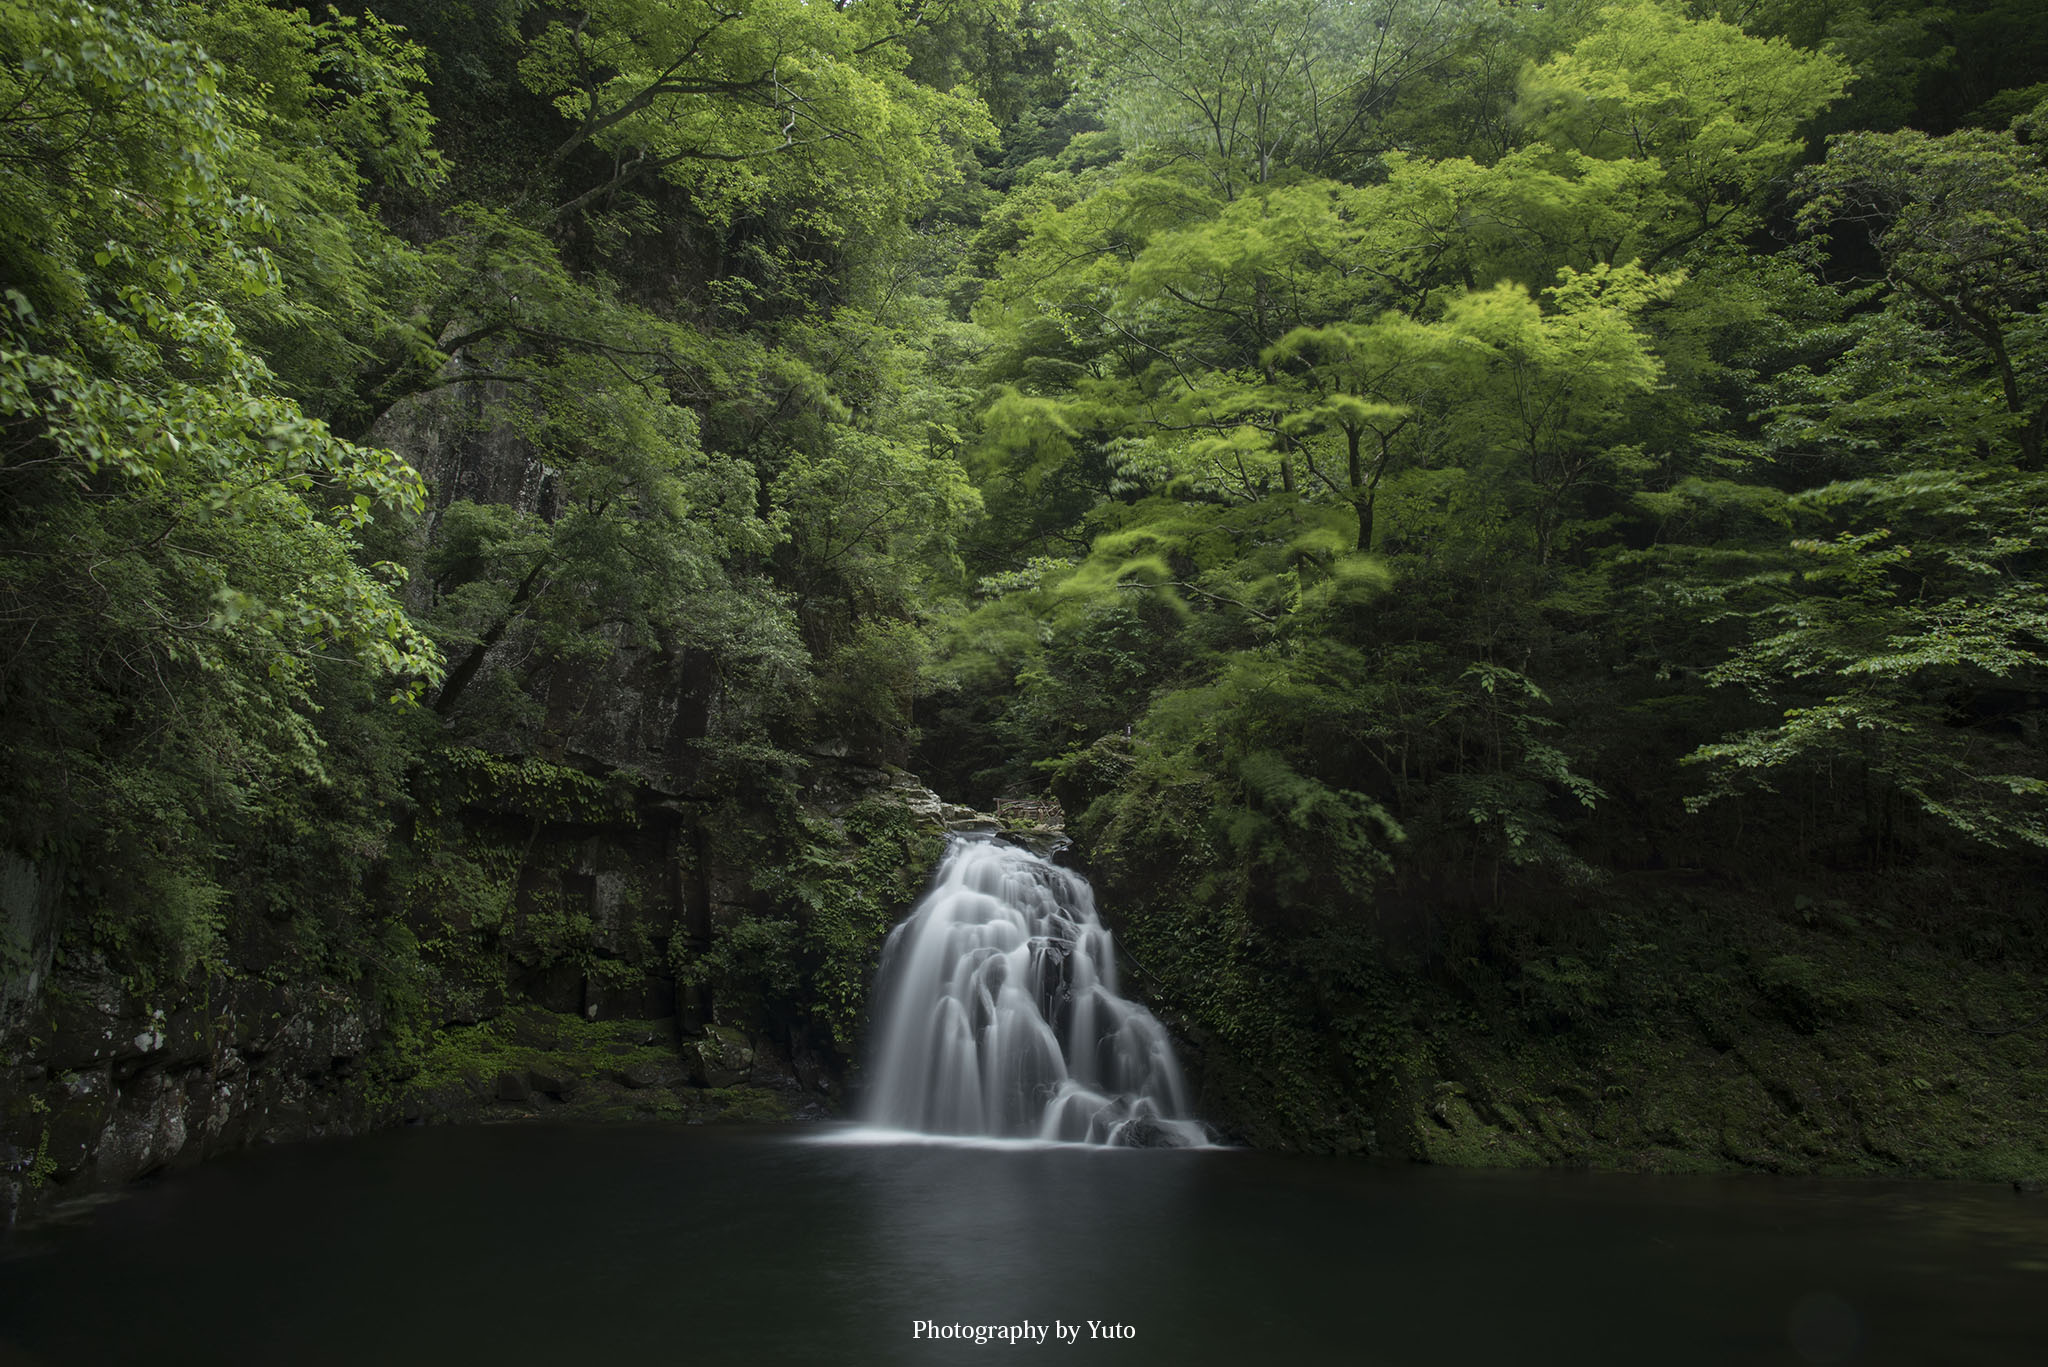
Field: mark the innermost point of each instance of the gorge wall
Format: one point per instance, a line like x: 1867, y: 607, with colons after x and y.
x: 635, y: 972
x: 567, y: 910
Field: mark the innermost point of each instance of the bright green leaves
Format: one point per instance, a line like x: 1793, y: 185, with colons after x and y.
x: 1718, y: 110
x: 129, y: 382
x: 181, y: 545
x: 1901, y: 640
x: 1239, y: 347
x: 1262, y: 264
x: 1277, y: 375
x: 1272, y: 730
x: 803, y: 107
x: 870, y: 509
x: 321, y: 110
x: 371, y: 100
x: 1557, y: 381
x: 1262, y: 568
x: 106, y: 110
x: 1905, y: 653
x: 1499, y: 380
x: 1253, y: 91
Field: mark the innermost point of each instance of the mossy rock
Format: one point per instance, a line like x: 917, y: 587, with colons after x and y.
x: 1449, y: 1131
x: 749, y: 1106
x: 722, y: 1058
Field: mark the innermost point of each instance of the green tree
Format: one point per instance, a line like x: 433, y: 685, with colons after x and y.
x: 182, y: 580
x: 1899, y: 642
x: 1249, y: 92
x: 801, y: 105
x: 1719, y: 111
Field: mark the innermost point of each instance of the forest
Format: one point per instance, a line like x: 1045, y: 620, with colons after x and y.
x: 1513, y: 533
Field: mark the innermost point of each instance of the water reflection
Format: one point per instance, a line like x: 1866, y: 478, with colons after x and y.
x: 560, y: 1245
x: 977, y: 1235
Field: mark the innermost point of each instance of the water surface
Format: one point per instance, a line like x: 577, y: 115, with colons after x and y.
x: 514, y: 1245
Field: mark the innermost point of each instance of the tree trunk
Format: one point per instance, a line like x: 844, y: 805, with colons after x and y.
x: 1361, y: 492
x: 460, y: 676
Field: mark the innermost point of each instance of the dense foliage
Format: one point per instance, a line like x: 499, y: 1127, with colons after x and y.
x: 1445, y: 465
x: 1386, y: 466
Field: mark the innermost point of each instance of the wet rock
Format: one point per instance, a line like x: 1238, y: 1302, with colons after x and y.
x: 1047, y: 843
x: 558, y: 988
x: 813, y: 1074
x: 341, y: 1039
x: 79, y: 1106
x: 651, y: 997
x: 145, y: 1131
x: 535, y: 1030
x: 29, y: 892
x: 558, y: 1085
x: 513, y: 1087
x: 284, y: 1114
x: 920, y: 801
x: 87, y: 1024
x: 185, y: 1037
x: 439, y: 1105
x: 1143, y: 1132
x: 722, y: 1058
x: 967, y: 821
x: 650, y: 1073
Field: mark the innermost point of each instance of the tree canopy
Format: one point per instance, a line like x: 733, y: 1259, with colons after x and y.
x: 1360, y: 457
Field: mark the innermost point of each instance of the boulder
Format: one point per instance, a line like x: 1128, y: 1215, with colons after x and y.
x: 1144, y: 1132
x: 722, y: 1058
x: 556, y: 1084
x: 650, y: 1073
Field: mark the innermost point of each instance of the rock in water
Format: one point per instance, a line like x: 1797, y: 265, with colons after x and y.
x: 998, y: 1015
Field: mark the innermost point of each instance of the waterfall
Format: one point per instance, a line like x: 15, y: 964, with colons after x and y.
x: 998, y: 1015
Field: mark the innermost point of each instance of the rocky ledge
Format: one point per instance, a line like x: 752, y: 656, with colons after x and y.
x: 532, y: 1064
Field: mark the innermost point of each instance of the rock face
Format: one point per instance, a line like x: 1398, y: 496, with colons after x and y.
x: 100, y: 1089
x: 637, y: 709
x: 28, y: 906
x: 577, y: 1010
x: 526, y: 925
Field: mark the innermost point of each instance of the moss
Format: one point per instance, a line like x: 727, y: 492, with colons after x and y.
x: 1452, y: 1132
x: 749, y: 1105
x: 530, y: 1039
x: 844, y: 880
x: 1831, y: 1070
x: 1724, y: 1038
x: 614, y: 1071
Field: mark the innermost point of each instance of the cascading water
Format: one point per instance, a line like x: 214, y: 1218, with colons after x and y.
x: 999, y: 1015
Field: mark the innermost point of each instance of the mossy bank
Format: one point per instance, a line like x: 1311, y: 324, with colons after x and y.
x: 1887, y: 1025
x: 547, y: 944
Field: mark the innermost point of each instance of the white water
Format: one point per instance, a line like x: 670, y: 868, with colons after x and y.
x: 998, y: 1015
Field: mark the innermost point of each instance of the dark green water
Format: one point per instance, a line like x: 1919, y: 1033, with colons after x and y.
x: 566, y: 1246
